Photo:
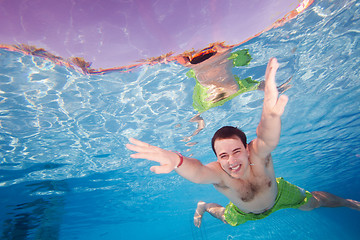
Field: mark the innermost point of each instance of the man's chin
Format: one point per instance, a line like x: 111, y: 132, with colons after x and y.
x: 235, y: 175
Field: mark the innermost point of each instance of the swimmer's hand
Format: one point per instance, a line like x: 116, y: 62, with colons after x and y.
x: 168, y: 160
x: 269, y: 128
x: 273, y: 104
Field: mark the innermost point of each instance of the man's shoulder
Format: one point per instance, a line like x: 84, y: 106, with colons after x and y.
x: 215, y: 166
x: 256, y: 158
x: 251, y: 143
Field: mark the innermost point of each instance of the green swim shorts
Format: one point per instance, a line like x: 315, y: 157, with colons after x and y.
x: 289, y: 196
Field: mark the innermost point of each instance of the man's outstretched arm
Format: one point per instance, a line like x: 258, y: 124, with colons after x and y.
x: 269, y: 128
x: 191, y: 169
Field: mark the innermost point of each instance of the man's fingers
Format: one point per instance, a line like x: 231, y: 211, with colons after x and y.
x: 139, y: 143
x: 137, y: 148
x: 146, y: 151
x: 272, y: 102
x: 130, y: 147
x: 149, y: 156
x: 280, y: 104
x: 271, y: 69
x: 161, y: 169
x: 271, y: 92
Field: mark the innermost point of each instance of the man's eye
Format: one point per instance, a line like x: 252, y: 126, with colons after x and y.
x: 224, y: 157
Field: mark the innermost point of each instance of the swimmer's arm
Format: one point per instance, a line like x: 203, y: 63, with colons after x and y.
x: 269, y: 128
x: 191, y: 169
x: 194, y: 171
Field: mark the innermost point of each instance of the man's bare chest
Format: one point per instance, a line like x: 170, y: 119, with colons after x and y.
x: 245, y: 191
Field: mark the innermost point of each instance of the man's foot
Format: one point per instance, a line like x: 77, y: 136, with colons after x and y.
x: 353, y: 204
x: 199, y: 213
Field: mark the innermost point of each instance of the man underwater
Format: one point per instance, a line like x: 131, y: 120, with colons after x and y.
x: 243, y: 172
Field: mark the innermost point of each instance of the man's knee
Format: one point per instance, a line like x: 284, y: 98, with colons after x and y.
x: 312, y: 203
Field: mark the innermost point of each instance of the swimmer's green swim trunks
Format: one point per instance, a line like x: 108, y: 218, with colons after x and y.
x: 238, y: 58
x: 289, y: 196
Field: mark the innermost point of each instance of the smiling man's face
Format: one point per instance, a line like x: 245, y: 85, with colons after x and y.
x: 232, y: 155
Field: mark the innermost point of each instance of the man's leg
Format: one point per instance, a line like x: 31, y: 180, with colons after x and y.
x: 214, y: 209
x: 325, y: 199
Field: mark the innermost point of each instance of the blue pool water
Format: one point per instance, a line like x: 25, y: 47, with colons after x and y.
x: 65, y: 172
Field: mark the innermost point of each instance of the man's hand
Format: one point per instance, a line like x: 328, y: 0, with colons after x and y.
x: 273, y: 106
x: 168, y: 160
x: 268, y: 130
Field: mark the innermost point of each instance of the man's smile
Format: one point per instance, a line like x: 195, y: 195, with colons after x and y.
x: 235, y: 168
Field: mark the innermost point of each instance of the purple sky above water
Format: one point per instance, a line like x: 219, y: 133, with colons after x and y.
x: 112, y: 33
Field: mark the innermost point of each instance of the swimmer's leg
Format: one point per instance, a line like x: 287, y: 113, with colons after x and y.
x: 285, y: 86
x: 200, y: 126
x: 325, y: 199
x: 214, y: 209
x: 200, y: 123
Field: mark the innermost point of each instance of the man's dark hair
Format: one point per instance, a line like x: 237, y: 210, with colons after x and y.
x: 228, y: 132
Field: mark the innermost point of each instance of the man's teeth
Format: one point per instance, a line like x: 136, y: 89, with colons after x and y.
x: 236, y: 167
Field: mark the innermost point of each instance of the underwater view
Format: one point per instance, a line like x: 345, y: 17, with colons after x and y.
x: 65, y: 172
